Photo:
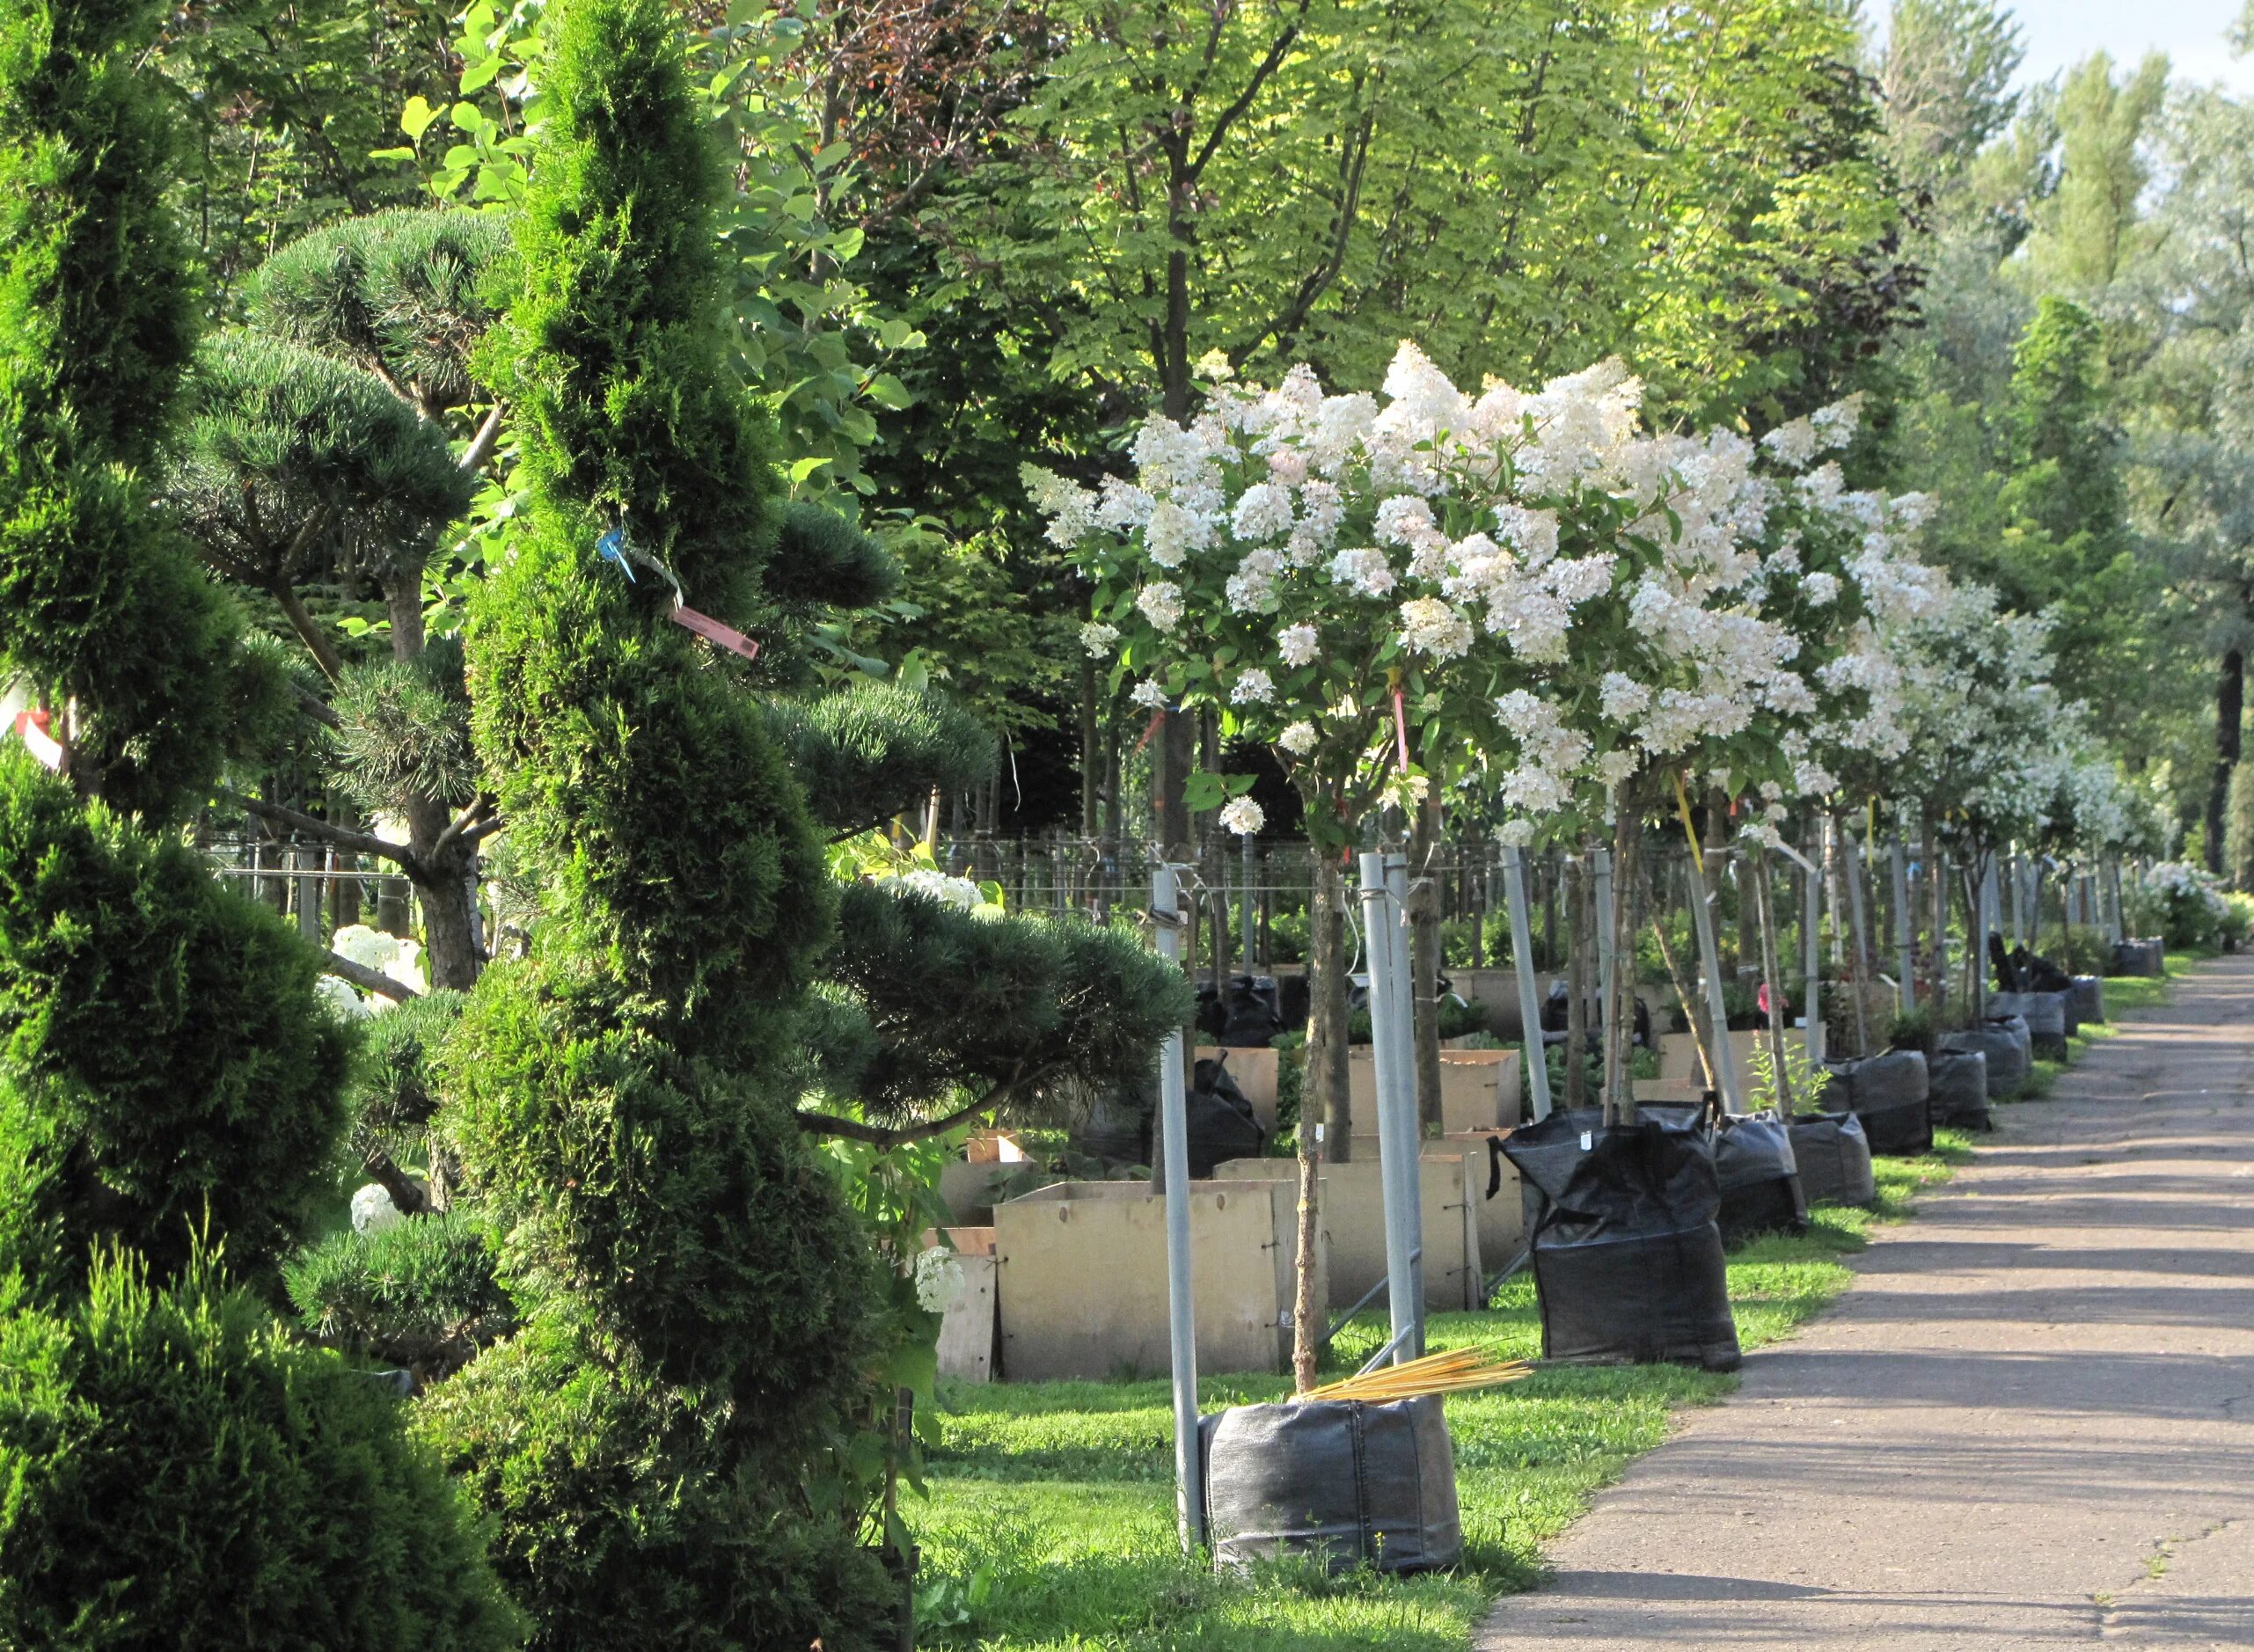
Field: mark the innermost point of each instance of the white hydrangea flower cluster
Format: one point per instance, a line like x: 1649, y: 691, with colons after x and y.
x: 1571, y: 598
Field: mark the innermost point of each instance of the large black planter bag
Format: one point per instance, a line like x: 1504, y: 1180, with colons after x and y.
x: 1349, y: 1482
x: 1958, y: 1089
x: 2004, y: 1062
x: 2089, y: 998
x: 1627, y: 1255
x: 2046, y: 1015
x: 2004, y: 1047
x: 1758, y: 1178
x: 1834, y: 1155
x: 1887, y: 1093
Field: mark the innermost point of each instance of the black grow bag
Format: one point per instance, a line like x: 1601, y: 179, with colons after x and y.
x: 1759, y: 1177
x: 1627, y: 1255
x: 2004, y: 1044
x: 1887, y: 1093
x: 1957, y: 1092
x: 1347, y: 1482
x: 2138, y: 958
x: 2089, y: 998
x: 1834, y: 1155
x: 2046, y: 1015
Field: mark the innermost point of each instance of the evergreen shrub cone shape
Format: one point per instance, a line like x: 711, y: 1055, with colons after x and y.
x: 700, y: 1324
x: 176, y: 1472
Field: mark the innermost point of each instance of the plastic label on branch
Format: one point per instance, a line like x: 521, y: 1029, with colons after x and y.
x: 35, y: 729
x: 712, y: 631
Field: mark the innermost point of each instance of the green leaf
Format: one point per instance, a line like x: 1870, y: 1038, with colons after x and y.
x: 1203, y: 792
x: 415, y: 119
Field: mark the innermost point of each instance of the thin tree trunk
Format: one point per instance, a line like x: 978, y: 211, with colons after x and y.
x: 1858, y: 935
x: 2230, y: 707
x: 1326, y: 1098
x: 1326, y: 1116
x: 1619, y: 1014
x: 1773, y: 978
x: 1424, y: 957
x: 1577, y: 979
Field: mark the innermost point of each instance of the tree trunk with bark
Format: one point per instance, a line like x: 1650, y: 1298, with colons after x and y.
x: 1424, y: 957
x: 2230, y: 709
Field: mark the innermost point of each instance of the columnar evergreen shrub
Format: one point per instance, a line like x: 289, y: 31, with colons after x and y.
x: 701, y: 1296
x: 177, y: 1472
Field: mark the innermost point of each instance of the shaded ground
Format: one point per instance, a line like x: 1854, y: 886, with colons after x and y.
x: 2030, y: 1423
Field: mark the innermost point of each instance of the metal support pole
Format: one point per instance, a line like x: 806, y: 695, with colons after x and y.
x: 1522, y: 955
x: 1182, y: 1321
x: 1604, y: 961
x: 1905, y: 956
x: 1991, y: 924
x: 1383, y: 890
x: 1811, y: 925
x: 1732, y: 1082
x: 2018, y: 914
x: 1851, y: 861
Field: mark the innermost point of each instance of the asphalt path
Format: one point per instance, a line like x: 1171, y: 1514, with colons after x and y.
x: 2028, y: 1424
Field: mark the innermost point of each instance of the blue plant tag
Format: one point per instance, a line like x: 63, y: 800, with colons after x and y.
x: 611, y: 547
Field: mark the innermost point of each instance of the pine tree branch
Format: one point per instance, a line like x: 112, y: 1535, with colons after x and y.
x: 327, y: 831
x: 368, y: 980
x: 482, y: 444
x: 469, y: 817
x: 308, y: 631
x: 406, y: 1198
x: 316, y: 708
x: 879, y: 1136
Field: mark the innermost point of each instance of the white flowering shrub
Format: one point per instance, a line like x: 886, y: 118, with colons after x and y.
x: 2188, y: 901
x: 1385, y: 586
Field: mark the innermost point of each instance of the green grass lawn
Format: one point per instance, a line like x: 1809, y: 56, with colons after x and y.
x: 1049, y: 1523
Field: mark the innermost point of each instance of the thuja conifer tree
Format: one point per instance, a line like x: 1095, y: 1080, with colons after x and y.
x: 178, y: 1471
x: 669, y: 1441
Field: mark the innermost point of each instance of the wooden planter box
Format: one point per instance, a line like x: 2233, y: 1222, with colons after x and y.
x: 1353, y: 1219
x: 1082, y: 1279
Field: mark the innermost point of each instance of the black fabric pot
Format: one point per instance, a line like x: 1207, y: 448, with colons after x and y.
x: 1760, y: 1178
x: 2088, y: 993
x: 2046, y: 1015
x: 1352, y: 1484
x: 1887, y: 1093
x: 2138, y: 958
x: 1627, y: 1253
x: 2004, y: 1049
x: 1957, y: 1092
x: 1833, y: 1157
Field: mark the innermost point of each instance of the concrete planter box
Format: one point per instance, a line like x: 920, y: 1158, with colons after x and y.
x: 1678, y: 1056
x: 1082, y: 1283
x: 1352, y: 1217
x: 970, y: 1331
x: 1253, y: 1072
x: 1479, y: 1089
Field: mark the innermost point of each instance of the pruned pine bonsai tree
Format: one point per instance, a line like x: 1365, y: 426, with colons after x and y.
x: 324, y: 447
x: 180, y: 1471
x: 667, y: 1442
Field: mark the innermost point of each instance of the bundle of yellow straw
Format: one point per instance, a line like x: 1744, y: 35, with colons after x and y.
x: 1451, y: 1372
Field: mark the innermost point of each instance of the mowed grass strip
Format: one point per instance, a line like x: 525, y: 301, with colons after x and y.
x: 1049, y: 1523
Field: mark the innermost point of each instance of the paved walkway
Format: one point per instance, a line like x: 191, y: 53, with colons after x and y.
x: 2030, y: 1424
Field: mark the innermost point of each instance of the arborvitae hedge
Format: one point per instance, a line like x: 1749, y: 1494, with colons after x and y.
x: 164, y: 1060
x: 655, y: 1440
x: 174, y: 1470
x: 181, y: 1473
